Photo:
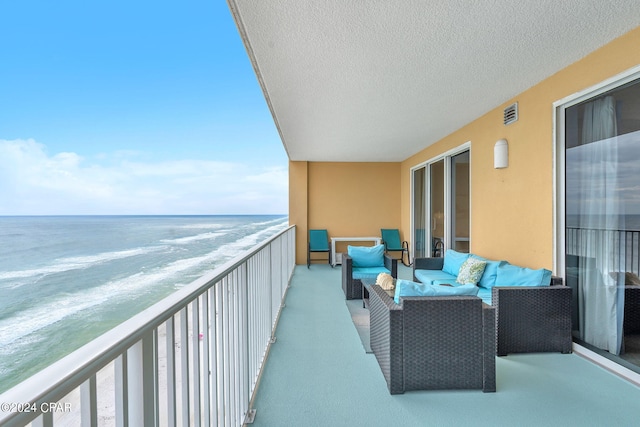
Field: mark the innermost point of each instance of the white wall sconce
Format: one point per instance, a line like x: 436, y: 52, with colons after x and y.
x: 501, y: 154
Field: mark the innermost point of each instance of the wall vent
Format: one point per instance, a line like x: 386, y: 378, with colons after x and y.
x: 511, y: 114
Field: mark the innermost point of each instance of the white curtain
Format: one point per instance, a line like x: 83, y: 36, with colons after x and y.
x: 601, y: 288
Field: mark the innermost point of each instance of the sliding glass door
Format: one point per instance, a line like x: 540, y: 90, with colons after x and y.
x: 601, y: 136
x: 441, y: 204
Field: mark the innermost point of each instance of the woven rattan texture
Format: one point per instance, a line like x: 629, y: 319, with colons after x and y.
x: 533, y: 319
x: 431, y: 343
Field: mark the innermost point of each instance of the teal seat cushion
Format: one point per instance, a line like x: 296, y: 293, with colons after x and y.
x: 451, y: 282
x: 368, y: 272
x: 453, y: 261
x: 488, y: 279
x: 367, y: 256
x: 428, y: 276
x: 485, y: 295
x: 512, y: 275
x: 406, y: 288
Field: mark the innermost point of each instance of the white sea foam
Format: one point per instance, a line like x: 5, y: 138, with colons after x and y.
x: 37, y: 318
x: 203, y: 226
x: 232, y: 249
x: 190, y: 239
x: 77, y: 263
x: 271, y: 221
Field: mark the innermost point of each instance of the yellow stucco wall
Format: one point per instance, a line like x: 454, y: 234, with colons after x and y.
x: 298, y: 204
x: 348, y: 199
x: 512, y: 209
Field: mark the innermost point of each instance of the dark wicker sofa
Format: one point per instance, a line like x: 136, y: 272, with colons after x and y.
x: 433, y: 343
x: 353, y: 287
x: 529, y: 319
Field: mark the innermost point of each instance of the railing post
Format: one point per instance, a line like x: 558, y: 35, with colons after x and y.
x: 195, y: 361
x: 171, y: 372
x: 184, y: 366
x: 89, y: 402
x: 122, y: 391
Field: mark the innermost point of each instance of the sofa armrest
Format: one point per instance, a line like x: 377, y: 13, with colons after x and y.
x: 386, y: 329
x: 449, y: 342
x: 489, y: 348
x: 391, y: 265
x: 347, y: 276
x: 533, y: 319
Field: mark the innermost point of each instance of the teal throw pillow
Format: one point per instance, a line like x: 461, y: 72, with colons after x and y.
x: 367, y: 256
x: 512, y: 275
x: 471, y: 271
x: 406, y: 288
x: 453, y: 261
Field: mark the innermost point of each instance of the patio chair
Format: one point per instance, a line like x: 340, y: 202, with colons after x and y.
x: 433, y: 343
x: 354, y: 270
x: 392, y: 243
x: 437, y: 248
x: 318, y: 242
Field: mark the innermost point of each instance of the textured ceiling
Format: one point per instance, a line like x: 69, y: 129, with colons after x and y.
x: 381, y: 80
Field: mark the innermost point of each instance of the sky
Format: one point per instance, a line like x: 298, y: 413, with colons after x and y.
x: 133, y: 107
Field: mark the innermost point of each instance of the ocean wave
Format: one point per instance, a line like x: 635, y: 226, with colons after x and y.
x: 77, y: 263
x: 31, y: 320
x: 19, y: 327
x: 202, y: 226
x: 271, y: 221
x: 190, y: 239
x: 232, y: 249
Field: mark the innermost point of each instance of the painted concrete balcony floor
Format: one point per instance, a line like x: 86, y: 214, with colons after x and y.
x: 318, y: 374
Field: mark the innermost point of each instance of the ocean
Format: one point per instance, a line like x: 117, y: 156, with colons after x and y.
x: 65, y: 280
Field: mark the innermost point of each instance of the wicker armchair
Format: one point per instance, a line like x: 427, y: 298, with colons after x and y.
x: 529, y: 319
x: 353, y: 287
x: 433, y: 343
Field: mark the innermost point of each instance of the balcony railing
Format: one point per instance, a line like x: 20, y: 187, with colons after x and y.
x: 192, y: 359
x: 624, y: 246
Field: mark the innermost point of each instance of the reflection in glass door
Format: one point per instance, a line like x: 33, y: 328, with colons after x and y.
x: 460, y: 202
x: 437, y: 207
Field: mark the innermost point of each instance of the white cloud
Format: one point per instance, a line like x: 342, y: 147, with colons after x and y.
x: 35, y: 183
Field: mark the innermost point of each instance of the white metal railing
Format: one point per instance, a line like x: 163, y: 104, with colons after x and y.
x: 192, y: 359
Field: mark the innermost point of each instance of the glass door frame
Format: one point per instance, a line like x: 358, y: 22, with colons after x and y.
x: 559, y: 202
x: 448, y: 182
x: 559, y: 157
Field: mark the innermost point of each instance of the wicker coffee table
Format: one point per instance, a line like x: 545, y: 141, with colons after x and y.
x: 366, y: 284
